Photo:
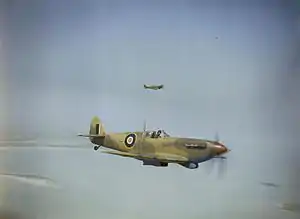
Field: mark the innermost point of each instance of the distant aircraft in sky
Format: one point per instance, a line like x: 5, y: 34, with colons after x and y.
x: 154, y: 87
x: 269, y: 184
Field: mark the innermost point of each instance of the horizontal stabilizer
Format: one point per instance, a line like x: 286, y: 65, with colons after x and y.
x: 91, y: 136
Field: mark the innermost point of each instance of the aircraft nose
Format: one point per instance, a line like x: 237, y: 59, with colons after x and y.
x: 220, y: 149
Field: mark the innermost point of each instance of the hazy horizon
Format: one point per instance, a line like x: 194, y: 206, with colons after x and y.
x: 227, y: 68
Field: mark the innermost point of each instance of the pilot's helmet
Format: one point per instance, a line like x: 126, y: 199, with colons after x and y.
x: 152, y: 133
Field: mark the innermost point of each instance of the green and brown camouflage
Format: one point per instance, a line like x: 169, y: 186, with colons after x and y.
x: 155, y: 148
x: 154, y: 87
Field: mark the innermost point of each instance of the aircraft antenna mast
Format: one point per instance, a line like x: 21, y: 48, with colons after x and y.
x: 143, y: 136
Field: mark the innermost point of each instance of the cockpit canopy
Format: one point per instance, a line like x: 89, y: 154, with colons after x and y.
x: 156, y: 134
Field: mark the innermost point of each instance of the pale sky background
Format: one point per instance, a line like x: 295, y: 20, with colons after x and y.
x: 227, y: 66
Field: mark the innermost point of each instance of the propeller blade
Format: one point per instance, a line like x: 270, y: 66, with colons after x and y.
x: 145, y: 126
x: 222, y: 167
x: 222, y: 161
x: 210, y: 165
x: 217, y: 137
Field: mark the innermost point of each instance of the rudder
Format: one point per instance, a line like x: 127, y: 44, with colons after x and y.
x: 96, y: 127
x: 96, y: 133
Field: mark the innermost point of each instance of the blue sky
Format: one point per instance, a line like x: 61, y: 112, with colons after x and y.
x: 224, y: 67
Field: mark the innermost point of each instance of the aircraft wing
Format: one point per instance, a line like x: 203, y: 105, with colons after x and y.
x: 163, y: 157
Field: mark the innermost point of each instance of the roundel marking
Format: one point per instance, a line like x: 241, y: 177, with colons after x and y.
x: 130, y: 140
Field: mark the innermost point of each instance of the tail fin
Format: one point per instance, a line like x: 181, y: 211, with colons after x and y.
x: 96, y: 129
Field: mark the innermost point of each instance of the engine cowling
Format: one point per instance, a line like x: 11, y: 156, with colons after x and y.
x: 155, y: 163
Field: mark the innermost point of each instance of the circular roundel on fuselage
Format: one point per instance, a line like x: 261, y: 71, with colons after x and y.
x: 130, y: 140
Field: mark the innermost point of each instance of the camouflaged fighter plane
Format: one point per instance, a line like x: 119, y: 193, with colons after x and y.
x: 155, y: 148
x: 154, y: 87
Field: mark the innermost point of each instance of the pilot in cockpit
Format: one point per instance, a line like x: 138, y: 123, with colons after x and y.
x: 158, y: 134
x: 153, y: 134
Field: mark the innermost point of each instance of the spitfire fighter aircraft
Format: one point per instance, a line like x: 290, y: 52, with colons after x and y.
x: 154, y: 87
x: 155, y: 148
x: 269, y: 184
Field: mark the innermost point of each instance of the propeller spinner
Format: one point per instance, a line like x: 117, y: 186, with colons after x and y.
x: 219, y: 149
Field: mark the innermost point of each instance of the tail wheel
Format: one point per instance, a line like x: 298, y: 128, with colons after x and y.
x: 96, y: 147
